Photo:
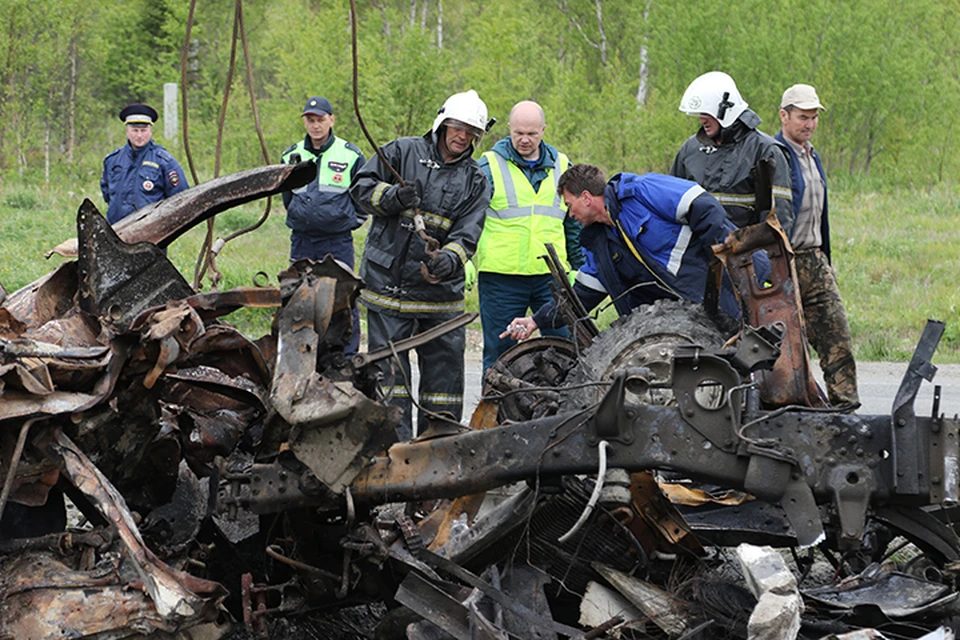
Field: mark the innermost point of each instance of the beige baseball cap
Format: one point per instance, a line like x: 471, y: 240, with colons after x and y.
x: 802, y: 96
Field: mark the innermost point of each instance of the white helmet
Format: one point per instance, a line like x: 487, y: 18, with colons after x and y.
x: 466, y: 107
x: 714, y: 93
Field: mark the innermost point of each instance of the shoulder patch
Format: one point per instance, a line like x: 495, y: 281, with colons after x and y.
x: 173, y: 178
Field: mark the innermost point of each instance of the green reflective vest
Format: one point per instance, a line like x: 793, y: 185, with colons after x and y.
x: 520, y: 220
x: 336, y: 167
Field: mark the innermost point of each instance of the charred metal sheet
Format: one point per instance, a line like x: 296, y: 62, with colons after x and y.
x: 756, y: 521
x: 336, y: 427
x: 495, y: 594
x: 46, y: 299
x: 791, y: 381
x: 165, y: 221
x: 172, y: 527
x: 897, y: 594
x: 660, y: 606
x: 18, y: 404
x: 435, y: 604
x: 222, y: 303
x: 43, y: 597
x: 179, y: 599
x: 118, y: 280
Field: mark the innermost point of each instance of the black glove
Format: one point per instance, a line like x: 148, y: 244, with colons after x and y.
x: 407, y: 196
x: 444, y: 265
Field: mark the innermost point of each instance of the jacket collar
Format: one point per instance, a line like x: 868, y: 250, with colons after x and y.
x: 308, y: 143
x: 547, y: 159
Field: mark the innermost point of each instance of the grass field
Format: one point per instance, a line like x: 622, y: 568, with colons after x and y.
x: 896, y: 253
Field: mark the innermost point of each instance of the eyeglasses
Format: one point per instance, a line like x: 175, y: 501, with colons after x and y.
x: 462, y: 126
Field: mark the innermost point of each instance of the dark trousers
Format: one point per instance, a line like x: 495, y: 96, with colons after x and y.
x: 440, y: 366
x: 340, y: 247
x: 505, y: 297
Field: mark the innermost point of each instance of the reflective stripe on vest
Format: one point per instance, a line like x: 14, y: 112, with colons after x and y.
x: 520, y: 220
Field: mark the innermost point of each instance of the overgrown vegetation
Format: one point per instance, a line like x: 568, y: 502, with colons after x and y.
x: 608, y: 72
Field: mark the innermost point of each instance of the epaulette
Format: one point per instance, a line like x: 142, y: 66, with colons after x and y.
x: 353, y: 148
x: 163, y: 154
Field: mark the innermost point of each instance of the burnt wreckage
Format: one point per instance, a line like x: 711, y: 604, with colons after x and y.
x: 226, y: 483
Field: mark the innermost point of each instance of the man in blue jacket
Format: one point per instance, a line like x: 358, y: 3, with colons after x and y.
x: 823, y: 313
x: 140, y: 172
x: 645, y: 238
x: 321, y: 215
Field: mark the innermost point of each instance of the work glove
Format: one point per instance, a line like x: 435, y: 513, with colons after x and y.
x: 469, y: 276
x: 444, y: 264
x: 407, y: 196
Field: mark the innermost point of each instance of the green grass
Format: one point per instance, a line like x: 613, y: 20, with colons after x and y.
x: 896, y: 254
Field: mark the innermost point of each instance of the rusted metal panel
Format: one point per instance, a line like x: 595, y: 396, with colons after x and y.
x: 791, y: 381
x: 163, y: 222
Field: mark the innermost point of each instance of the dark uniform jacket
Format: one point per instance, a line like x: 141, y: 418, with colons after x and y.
x: 799, y: 186
x: 727, y: 171
x: 323, y: 209
x: 454, y: 198
x: 133, y: 178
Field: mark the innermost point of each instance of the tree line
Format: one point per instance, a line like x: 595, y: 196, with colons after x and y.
x: 609, y: 74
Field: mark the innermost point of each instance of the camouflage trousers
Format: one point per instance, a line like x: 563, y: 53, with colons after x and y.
x: 826, y: 323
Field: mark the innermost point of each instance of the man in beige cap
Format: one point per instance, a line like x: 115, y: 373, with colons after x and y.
x: 824, y: 315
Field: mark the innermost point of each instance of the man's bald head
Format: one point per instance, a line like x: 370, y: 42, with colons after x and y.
x: 527, y: 124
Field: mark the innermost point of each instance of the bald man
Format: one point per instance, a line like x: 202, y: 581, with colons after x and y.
x: 526, y: 212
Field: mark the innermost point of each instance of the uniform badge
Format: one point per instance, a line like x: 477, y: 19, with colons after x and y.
x: 173, y: 178
x: 338, y: 178
x: 339, y: 167
x: 147, y: 185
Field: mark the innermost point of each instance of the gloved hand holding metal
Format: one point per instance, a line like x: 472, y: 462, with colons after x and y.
x: 407, y: 196
x: 444, y: 264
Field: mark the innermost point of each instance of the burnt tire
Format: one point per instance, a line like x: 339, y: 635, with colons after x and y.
x: 646, y: 338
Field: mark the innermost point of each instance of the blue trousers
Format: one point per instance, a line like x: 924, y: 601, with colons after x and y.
x: 340, y: 247
x: 505, y: 297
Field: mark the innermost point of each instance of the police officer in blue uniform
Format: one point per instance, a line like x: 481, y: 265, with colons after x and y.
x: 321, y: 214
x: 140, y: 172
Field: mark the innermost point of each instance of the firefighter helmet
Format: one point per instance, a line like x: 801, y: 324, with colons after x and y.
x: 716, y: 94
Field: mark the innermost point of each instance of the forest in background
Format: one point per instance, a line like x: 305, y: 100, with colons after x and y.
x: 609, y: 74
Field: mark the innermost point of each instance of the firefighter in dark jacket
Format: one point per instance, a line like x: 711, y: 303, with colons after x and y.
x: 722, y: 156
x: 321, y: 215
x: 443, y: 184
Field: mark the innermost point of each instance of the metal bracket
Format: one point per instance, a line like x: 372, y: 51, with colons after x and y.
x: 907, y: 439
x: 707, y: 390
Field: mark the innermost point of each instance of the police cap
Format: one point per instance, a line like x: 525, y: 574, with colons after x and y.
x: 138, y: 114
x: 317, y: 106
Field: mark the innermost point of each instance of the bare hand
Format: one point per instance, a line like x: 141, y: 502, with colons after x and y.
x: 519, y: 329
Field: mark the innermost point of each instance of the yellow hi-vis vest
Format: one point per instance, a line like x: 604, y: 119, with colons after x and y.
x: 520, y: 220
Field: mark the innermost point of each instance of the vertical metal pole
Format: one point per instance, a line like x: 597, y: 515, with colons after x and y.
x: 171, y: 119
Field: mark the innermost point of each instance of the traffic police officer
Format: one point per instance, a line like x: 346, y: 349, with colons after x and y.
x: 321, y: 215
x: 140, y: 172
